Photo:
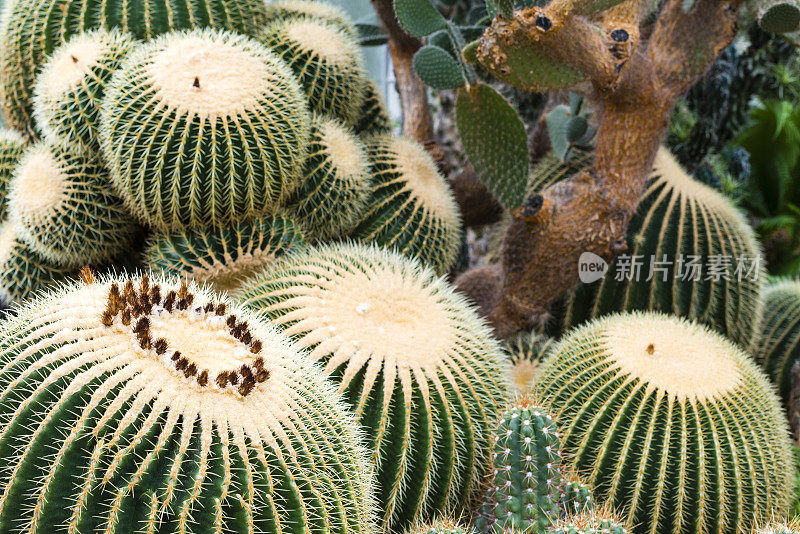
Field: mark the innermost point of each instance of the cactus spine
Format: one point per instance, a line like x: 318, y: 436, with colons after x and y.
x: 524, y: 491
x: 231, y: 142
x: 411, y: 207
x: 12, y: 146
x: 440, y: 526
x: 135, y: 405
x: 526, y: 351
x: 326, y: 60
x: 31, y: 31
x: 72, y: 84
x: 225, y: 256
x: 777, y: 344
x: 779, y: 526
x: 419, y: 368
x: 334, y: 189
x: 65, y: 208
x: 670, y: 422
x: 696, y: 229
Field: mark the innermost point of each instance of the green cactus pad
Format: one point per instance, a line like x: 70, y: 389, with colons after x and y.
x: 65, y: 207
x: 779, y: 16
x: 224, y: 257
x: 411, y: 207
x: 212, y: 145
x: 326, y: 60
x: 12, y: 146
x: 419, y: 18
x: 438, y: 69
x: 589, y: 522
x: 33, y: 29
x: 311, y: 9
x: 419, y: 368
x: 699, y: 231
x: 373, y: 118
x: 671, y: 423
x: 526, y: 352
x: 334, y: 190
x: 495, y: 142
x: 777, y: 343
x: 524, y: 489
x: 23, y: 272
x: 66, y: 101
x: 136, y: 405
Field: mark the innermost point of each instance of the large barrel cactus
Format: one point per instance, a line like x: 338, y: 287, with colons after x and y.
x: 419, y: 368
x: 374, y: 117
x: 310, y: 9
x: 411, y: 207
x: 65, y: 207
x: 224, y: 257
x: 220, y: 132
x: 31, y: 31
x: 690, y: 253
x: 671, y: 422
x: 777, y: 344
x: 138, y: 405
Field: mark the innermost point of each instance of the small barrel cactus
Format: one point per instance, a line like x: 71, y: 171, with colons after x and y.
x: 691, y: 253
x: 411, y: 207
x: 670, y: 422
x: 419, y: 368
x: 333, y: 192
x: 576, y: 495
x: 373, y: 119
x: 224, y: 256
x: 133, y: 405
x: 31, y: 31
x: 23, y: 272
x: 231, y: 141
x: 326, y: 60
x: 524, y: 489
x: 590, y: 522
x: 72, y: 84
x: 310, y: 9
x: 777, y: 344
x: 526, y: 351
x: 65, y: 208
x: 440, y: 526
x: 12, y: 146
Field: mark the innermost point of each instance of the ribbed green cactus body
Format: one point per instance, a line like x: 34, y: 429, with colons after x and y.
x: 374, y: 118
x: 413, y: 360
x: 32, y: 29
x: 311, y: 9
x: 576, y: 497
x: 62, y: 200
x: 686, y: 231
x: 115, y: 425
x: 12, y: 146
x: 334, y: 189
x: 777, y: 344
x: 524, y: 487
x: 225, y: 256
x: 671, y: 423
x: 72, y: 84
x: 326, y: 61
x: 526, y: 352
x: 411, y: 208
x: 24, y: 272
x: 191, y: 144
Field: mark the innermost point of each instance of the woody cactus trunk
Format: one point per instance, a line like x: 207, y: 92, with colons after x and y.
x: 634, y: 76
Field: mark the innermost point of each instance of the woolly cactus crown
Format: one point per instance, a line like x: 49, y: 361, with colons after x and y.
x: 229, y: 117
x: 162, y: 408
x: 421, y: 370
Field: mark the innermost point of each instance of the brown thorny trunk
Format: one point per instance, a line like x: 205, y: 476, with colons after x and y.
x: 590, y: 212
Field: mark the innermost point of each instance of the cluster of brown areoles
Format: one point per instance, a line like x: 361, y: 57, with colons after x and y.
x: 134, y: 306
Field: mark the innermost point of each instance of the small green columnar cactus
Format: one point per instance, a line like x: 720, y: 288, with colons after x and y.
x: 524, y: 491
x: 12, y: 146
x: 705, y: 258
x: 223, y: 257
x: 310, y: 9
x: 374, y: 118
x: 776, y: 345
x: 65, y: 208
x: 136, y: 405
x: 590, y: 522
x: 526, y: 352
x: 671, y: 423
x: 421, y: 371
x: 31, y: 32
x: 411, y: 207
x: 231, y: 141
x: 576, y: 496
x: 326, y: 60
x: 66, y: 101
x: 23, y: 272
x: 333, y: 192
